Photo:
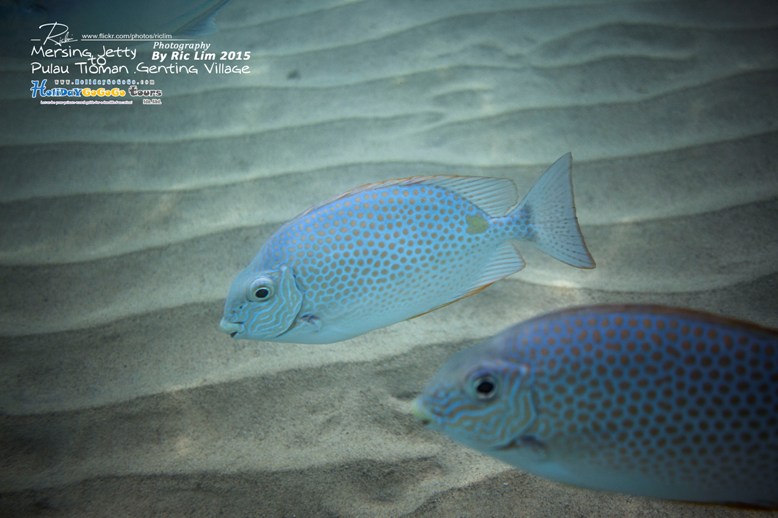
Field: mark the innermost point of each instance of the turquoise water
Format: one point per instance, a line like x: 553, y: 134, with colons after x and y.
x: 122, y: 226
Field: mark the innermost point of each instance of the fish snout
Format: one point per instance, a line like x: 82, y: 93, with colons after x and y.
x: 231, y: 328
x: 420, y: 413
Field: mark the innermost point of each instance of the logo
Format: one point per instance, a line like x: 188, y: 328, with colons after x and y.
x: 134, y: 91
x: 39, y: 89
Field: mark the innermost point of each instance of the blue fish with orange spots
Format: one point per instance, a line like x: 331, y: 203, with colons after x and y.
x: 645, y: 400
x: 386, y: 252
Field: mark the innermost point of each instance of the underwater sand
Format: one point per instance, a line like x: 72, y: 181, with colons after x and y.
x: 121, y: 229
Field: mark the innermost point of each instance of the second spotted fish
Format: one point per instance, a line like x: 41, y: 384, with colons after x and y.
x: 646, y: 400
x: 386, y: 252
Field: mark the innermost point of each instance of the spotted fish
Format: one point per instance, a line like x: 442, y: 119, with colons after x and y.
x: 386, y: 252
x: 646, y: 400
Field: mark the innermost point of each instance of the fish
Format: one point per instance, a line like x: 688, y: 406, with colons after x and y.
x: 654, y: 401
x: 389, y: 251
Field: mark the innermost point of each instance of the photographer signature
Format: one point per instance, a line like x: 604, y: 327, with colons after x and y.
x: 58, y: 34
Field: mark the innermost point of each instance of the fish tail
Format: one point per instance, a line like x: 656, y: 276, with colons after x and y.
x: 546, y: 216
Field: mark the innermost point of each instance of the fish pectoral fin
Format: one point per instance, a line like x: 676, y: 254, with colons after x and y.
x: 307, y: 320
x: 311, y: 320
x: 528, y: 446
x: 525, y: 441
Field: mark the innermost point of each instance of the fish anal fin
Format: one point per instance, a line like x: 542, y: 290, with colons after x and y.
x: 505, y: 261
x: 475, y: 291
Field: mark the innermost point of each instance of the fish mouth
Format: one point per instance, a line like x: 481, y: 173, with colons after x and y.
x: 420, y: 413
x: 231, y: 328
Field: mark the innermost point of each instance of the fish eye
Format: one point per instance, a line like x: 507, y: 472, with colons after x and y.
x: 261, y: 289
x: 484, y: 386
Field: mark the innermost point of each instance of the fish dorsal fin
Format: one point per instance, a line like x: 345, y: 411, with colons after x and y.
x: 495, y: 196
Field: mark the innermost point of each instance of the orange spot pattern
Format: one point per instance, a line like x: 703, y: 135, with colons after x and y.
x: 680, y: 396
x: 391, y: 250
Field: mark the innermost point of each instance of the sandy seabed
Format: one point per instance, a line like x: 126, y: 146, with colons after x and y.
x: 122, y: 227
